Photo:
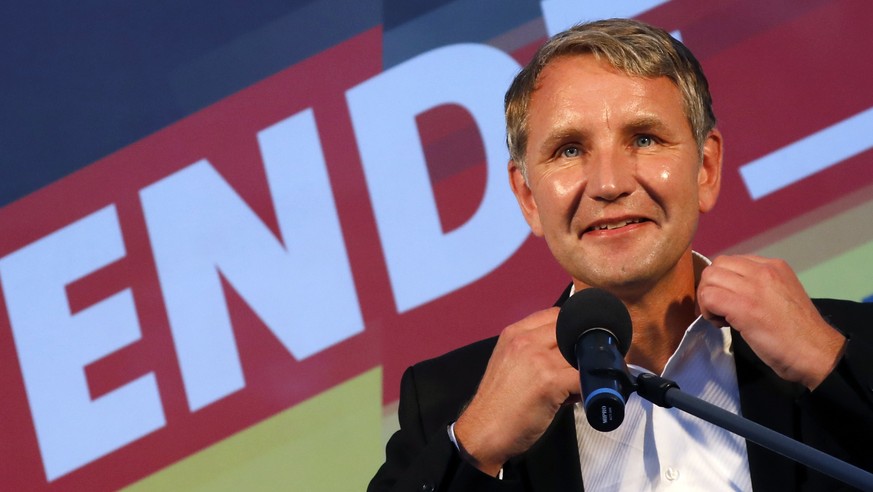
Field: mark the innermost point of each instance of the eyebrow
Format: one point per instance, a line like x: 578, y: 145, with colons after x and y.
x: 648, y: 123
x: 645, y: 123
x: 559, y: 135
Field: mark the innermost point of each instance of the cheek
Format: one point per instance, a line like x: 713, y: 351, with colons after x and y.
x: 657, y: 178
x: 565, y: 190
x: 665, y: 175
x: 559, y: 190
x: 669, y: 185
x: 556, y: 195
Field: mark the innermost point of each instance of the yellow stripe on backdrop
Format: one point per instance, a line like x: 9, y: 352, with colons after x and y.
x: 848, y: 276
x: 331, y: 442
x: 831, y: 248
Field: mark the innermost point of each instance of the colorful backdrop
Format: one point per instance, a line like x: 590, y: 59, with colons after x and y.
x: 227, y: 227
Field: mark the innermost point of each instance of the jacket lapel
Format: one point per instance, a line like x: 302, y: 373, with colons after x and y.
x: 766, y: 399
x: 552, y: 464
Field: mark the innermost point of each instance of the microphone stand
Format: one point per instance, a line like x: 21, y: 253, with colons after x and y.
x: 666, y: 393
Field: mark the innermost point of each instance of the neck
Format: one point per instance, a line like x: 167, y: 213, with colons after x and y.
x: 659, y: 326
x: 660, y: 314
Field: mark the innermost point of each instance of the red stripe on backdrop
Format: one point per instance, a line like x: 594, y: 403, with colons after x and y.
x: 776, y: 88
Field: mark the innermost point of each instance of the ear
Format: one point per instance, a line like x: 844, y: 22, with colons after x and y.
x: 709, y: 173
x: 525, y: 198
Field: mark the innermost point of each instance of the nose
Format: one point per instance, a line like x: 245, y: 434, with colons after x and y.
x: 610, y: 176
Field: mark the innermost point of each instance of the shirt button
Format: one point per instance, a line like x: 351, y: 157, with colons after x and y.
x: 671, y: 473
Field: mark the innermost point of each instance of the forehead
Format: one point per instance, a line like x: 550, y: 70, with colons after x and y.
x: 586, y: 73
x: 581, y: 89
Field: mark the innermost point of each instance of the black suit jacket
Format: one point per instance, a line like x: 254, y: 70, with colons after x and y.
x: 836, y: 418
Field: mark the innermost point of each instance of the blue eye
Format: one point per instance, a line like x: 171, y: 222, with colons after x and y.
x: 644, y: 141
x: 570, y: 152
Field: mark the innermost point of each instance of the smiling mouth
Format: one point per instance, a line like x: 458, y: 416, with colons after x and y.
x: 615, y: 225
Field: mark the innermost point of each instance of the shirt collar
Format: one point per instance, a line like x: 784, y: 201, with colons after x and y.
x: 701, y: 331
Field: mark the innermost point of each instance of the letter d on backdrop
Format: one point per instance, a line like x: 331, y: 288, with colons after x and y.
x: 423, y: 262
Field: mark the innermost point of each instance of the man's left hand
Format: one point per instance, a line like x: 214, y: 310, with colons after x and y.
x: 763, y: 300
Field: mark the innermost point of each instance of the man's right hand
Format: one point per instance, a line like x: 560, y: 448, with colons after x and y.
x: 526, y: 382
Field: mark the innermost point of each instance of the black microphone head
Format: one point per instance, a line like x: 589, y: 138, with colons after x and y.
x: 592, y: 308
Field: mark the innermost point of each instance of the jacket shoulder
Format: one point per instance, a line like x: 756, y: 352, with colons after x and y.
x: 846, y: 316
x: 445, y: 384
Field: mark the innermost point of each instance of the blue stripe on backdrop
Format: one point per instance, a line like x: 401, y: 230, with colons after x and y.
x: 460, y: 21
x: 276, y: 45
x: 397, y: 12
x: 84, y: 79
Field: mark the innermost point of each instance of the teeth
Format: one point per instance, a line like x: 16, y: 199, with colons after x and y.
x: 616, y: 225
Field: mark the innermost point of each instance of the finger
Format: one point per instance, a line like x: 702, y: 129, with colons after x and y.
x: 750, y: 265
x: 570, y: 383
x: 718, y: 281
x: 739, y: 266
x: 715, y: 320
x: 536, y: 321
x: 715, y: 300
x: 718, y: 291
x: 751, y: 258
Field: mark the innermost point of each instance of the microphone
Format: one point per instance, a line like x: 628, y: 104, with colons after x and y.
x: 594, y: 333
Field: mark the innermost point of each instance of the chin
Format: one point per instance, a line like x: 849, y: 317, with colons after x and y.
x: 625, y: 278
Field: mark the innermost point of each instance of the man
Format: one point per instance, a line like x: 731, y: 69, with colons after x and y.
x: 614, y: 154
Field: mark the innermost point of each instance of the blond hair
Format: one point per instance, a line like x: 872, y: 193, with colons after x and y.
x: 630, y: 46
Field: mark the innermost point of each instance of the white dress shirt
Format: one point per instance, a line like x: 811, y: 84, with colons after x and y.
x: 658, y: 448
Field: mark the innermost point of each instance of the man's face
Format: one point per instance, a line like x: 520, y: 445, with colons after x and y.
x: 615, y: 179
